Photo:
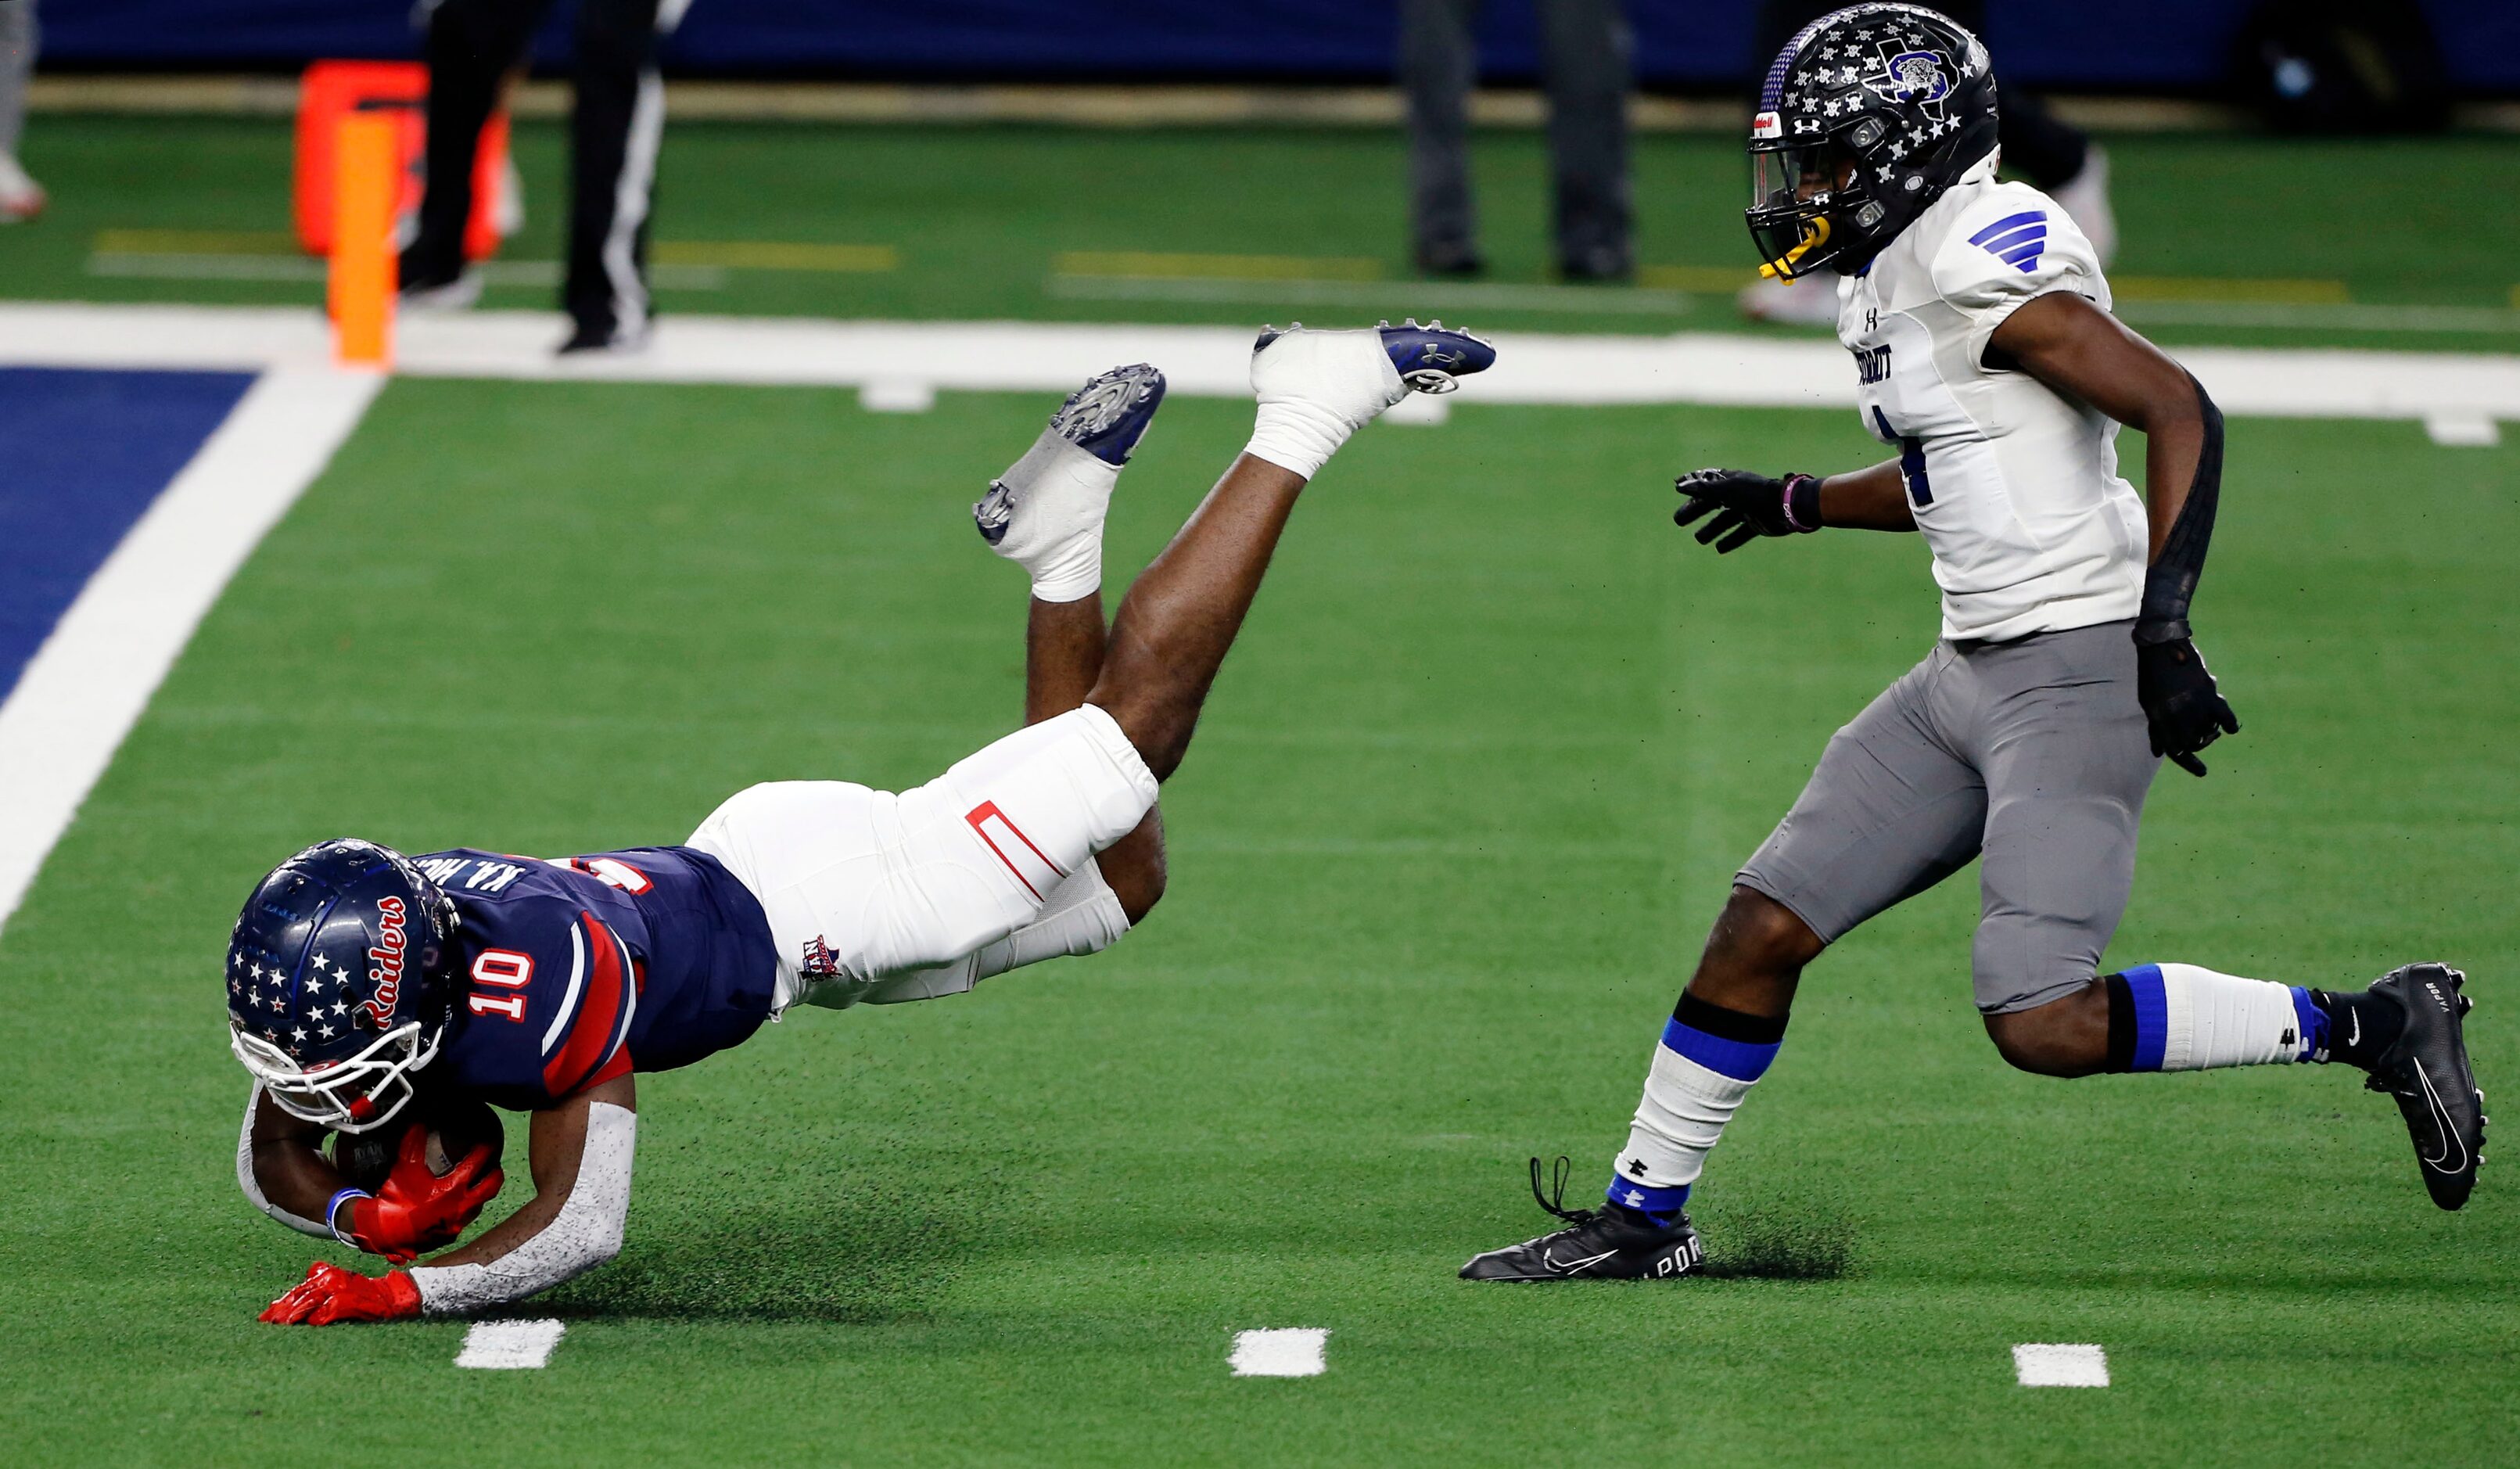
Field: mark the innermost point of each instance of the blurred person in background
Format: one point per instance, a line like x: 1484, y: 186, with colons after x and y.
x: 21, y: 196
x: 1586, y: 55
x: 2058, y: 158
x: 614, y: 129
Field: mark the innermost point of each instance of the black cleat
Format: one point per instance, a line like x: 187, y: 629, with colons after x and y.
x: 2426, y: 1069
x: 1597, y: 1244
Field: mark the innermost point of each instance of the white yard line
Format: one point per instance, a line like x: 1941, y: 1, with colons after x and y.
x: 509, y: 1345
x: 2059, y: 1364
x: 896, y: 358
x: 1290, y: 1352
x: 89, y: 682
x: 1648, y: 301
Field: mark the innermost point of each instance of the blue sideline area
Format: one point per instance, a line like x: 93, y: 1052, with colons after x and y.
x: 83, y: 455
x: 1695, y: 44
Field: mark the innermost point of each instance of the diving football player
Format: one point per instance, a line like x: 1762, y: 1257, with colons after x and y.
x: 358, y: 978
x: 1987, y: 358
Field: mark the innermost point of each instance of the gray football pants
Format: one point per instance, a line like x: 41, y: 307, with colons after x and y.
x: 18, y: 40
x: 2031, y: 753
x: 1585, y: 49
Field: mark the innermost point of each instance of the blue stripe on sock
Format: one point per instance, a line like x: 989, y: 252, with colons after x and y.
x: 1663, y: 1203
x: 2314, y: 1026
x: 1741, y: 1060
x: 2151, y: 1015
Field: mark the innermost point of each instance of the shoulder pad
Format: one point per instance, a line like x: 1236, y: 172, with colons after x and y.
x: 2008, y: 245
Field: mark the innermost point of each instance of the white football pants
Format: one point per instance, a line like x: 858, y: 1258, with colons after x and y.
x: 877, y: 897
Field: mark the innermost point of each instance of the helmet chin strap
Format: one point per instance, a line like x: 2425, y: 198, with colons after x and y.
x: 1815, y: 235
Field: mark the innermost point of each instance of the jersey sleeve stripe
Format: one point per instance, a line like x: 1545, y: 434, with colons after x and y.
x: 568, y: 997
x: 2007, y: 224
x: 602, y: 1017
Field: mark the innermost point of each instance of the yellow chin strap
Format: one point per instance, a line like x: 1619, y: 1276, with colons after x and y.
x: 1815, y: 235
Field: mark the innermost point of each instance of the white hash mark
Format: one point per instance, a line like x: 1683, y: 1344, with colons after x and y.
x: 509, y: 1345
x: 1291, y: 1352
x: 2058, y: 1364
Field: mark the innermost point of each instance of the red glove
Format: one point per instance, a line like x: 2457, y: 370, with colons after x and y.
x: 331, y: 1294
x: 417, y: 1210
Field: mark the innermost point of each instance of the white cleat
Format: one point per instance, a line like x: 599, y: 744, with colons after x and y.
x: 20, y: 198
x: 1046, y: 512
x: 1793, y: 304
x: 1317, y: 387
x: 2085, y: 199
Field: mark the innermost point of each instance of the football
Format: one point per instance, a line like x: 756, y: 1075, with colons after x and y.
x: 456, y: 1126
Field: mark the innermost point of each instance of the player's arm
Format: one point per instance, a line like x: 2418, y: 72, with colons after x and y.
x: 1745, y: 506
x: 581, y: 1153
x: 282, y: 1168
x: 2084, y: 354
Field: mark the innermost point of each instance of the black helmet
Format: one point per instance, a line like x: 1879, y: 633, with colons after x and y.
x: 1867, y: 116
x: 340, y: 980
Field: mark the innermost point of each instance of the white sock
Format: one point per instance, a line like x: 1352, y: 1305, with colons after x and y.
x: 1052, y: 503
x: 1696, y: 1082
x: 2189, y: 1018
x: 1315, y: 389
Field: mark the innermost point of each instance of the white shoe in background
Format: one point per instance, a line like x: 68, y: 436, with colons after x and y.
x: 508, y: 210
x: 21, y: 196
x: 2085, y: 198
x: 1808, y: 302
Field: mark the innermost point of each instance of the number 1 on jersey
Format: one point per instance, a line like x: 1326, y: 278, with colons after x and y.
x: 1911, y: 462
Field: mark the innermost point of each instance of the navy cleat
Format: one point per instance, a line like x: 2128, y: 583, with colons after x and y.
x: 1597, y: 1244
x: 2426, y: 1069
x: 1110, y: 413
x: 1431, y: 358
x: 1434, y: 358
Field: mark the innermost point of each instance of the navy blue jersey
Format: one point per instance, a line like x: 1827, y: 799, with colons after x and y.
x: 575, y: 971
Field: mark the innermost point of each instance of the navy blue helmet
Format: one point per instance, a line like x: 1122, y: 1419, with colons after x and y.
x: 340, y: 981
x: 1868, y: 115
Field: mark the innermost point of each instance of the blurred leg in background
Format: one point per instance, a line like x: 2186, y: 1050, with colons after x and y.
x: 614, y: 127
x: 1438, y: 67
x: 473, y: 47
x: 19, y: 196
x: 2058, y: 158
x: 1587, y: 56
x: 614, y: 133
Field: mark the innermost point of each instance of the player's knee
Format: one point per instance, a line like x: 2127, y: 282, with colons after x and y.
x: 1159, y: 739
x: 1759, y: 933
x: 1140, y: 885
x: 2064, y: 1037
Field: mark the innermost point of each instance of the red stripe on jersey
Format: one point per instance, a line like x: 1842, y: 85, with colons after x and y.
x: 595, y: 1037
x: 618, y: 1065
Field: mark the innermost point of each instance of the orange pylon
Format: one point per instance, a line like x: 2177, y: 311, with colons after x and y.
x: 367, y: 180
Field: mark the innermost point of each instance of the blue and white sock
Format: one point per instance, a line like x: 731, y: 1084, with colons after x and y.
x: 2184, y: 1017
x: 1708, y: 1061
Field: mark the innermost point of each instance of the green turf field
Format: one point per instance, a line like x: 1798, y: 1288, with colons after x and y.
x: 1465, y: 798
x: 2222, y: 232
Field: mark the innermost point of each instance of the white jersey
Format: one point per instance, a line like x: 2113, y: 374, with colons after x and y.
x: 2015, y: 487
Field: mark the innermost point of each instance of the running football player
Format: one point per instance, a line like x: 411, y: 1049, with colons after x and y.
x: 1987, y: 357
x: 358, y: 978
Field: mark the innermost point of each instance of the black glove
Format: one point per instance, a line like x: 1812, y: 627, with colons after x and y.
x: 1746, y: 506
x: 2180, y: 706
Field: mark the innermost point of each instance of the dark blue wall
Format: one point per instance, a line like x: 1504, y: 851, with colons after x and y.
x: 2132, y: 44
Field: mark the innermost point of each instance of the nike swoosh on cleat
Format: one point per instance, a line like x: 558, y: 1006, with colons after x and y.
x: 2442, y: 1124
x: 1569, y: 1268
